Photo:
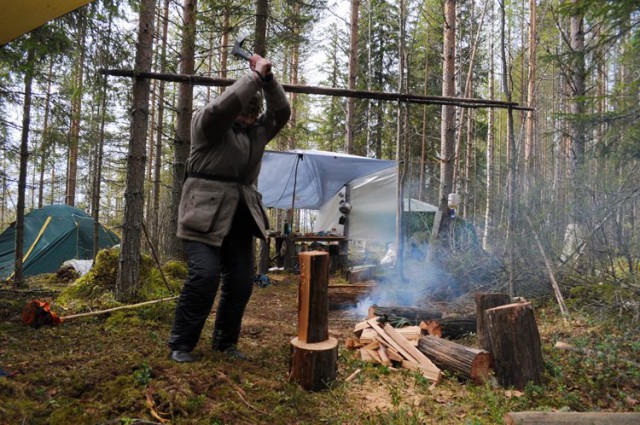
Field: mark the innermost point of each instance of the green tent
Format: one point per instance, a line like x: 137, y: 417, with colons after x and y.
x: 52, y: 235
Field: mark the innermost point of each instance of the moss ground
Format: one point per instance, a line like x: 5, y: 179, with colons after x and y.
x: 114, y: 369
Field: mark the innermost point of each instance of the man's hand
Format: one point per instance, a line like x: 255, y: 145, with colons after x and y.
x: 261, y: 65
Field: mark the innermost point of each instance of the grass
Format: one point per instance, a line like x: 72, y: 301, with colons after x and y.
x: 114, y: 369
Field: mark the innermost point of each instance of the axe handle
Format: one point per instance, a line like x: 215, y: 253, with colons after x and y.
x: 241, y: 53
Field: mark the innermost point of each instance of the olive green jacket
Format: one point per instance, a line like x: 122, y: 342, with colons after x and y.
x: 232, y: 154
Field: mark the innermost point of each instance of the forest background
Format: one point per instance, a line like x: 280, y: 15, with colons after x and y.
x: 563, y: 167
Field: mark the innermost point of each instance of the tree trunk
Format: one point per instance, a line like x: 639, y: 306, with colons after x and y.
x: 447, y: 125
x: 22, y: 177
x: 511, y: 153
x: 97, y: 177
x: 515, y: 345
x: 155, y: 220
x: 484, y: 302
x: 529, y: 143
x: 489, y: 209
x: 184, y: 112
x: 262, y: 13
x: 44, y: 144
x: 129, y: 268
x: 470, y: 363
x: 76, y: 112
x: 353, y: 72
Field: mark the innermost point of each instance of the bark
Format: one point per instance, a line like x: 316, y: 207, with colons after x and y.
x: 489, y: 209
x: 76, y: 110
x: 447, y: 127
x: 529, y: 143
x: 484, y: 302
x: 262, y: 13
x: 347, y: 296
x: 353, y: 72
x: 313, y: 300
x: 22, y: 177
x: 413, y: 315
x: 184, y: 110
x: 401, y: 157
x: 313, y: 366
x: 129, y: 267
x: 511, y: 154
x: 515, y: 345
x: 155, y: 221
x: 295, y: 64
x: 470, y: 363
x: 97, y: 177
x: 44, y: 144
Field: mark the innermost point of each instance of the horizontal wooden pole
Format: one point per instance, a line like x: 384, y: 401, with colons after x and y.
x: 198, y: 80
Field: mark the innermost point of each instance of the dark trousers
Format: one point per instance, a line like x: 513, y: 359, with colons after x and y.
x: 231, y: 264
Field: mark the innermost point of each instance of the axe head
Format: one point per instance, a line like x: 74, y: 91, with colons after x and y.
x: 238, y: 51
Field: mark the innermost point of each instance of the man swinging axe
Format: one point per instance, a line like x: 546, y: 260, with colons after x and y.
x: 221, y: 210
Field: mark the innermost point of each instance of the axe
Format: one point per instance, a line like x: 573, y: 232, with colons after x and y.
x: 238, y: 51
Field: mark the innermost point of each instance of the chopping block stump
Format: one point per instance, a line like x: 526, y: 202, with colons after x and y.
x: 313, y: 365
x: 314, y: 355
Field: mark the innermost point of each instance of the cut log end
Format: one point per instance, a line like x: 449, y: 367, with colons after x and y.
x: 481, y: 368
x: 313, y: 365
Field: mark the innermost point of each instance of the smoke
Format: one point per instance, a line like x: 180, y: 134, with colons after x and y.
x: 418, y: 285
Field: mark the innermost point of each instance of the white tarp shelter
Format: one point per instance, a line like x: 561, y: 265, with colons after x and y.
x: 314, y: 176
x: 373, y: 214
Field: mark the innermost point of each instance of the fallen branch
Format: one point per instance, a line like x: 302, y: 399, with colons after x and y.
x: 353, y: 375
x: 240, y: 393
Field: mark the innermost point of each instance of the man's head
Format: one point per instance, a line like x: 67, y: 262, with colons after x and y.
x: 252, y: 110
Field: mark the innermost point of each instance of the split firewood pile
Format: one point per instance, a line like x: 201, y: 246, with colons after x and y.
x: 392, y: 341
x: 507, y: 337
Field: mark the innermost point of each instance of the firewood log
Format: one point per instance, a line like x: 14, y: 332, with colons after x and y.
x: 571, y: 418
x: 471, y: 363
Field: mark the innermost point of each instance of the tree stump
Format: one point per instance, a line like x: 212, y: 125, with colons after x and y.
x: 515, y: 345
x: 313, y: 366
x: 485, y: 301
x: 471, y: 363
x: 314, y: 356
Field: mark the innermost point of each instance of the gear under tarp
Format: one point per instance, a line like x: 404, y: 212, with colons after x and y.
x: 52, y: 235
x: 316, y: 176
x: 373, y: 208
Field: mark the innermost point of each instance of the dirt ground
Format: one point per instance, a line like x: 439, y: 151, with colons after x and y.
x: 114, y: 369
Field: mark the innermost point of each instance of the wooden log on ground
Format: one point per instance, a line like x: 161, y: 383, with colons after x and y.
x: 485, y: 301
x: 413, y: 315
x: 471, y: 363
x: 313, y: 302
x: 360, y: 273
x: 347, y: 296
x: 313, y: 366
x: 515, y: 345
x: 452, y: 327
x: 571, y: 418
